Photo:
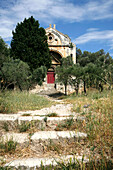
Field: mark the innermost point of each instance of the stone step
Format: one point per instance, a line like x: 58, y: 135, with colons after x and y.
x: 14, y: 120
x: 35, y: 163
x: 16, y: 137
x: 41, y: 122
x: 60, y: 109
x: 42, y: 135
x: 49, y: 119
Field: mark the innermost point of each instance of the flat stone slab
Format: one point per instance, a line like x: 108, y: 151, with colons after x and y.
x: 30, y: 118
x: 17, y: 137
x: 36, y: 162
x: 20, y: 119
x: 6, y: 117
x: 60, y: 109
x: 43, y: 135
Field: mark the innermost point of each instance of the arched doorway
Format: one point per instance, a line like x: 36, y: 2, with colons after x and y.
x: 56, y: 60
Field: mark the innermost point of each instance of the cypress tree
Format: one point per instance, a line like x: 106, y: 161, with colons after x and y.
x: 29, y: 44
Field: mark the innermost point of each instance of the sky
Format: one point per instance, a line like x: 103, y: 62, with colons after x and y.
x: 89, y: 23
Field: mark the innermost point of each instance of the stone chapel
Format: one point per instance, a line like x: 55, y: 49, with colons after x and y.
x: 60, y: 46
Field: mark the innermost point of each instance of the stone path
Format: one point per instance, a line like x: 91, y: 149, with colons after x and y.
x: 63, y: 112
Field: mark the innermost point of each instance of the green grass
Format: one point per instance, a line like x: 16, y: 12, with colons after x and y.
x: 67, y: 124
x: 29, y: 126
x: 14, y: 101
x: 76, y: 165
x: 52, y: 115
x: 26, y: 114
x: 8, y: 146
x: 24, y: 127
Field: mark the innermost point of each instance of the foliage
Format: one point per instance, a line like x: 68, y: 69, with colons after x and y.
x: 4, y: 56
x: 76, y: 74
x: 15, y: 72
x: 4, y: 52
x: 92, y: 69
x: 39, y: 75
x: 96, y: 68
x: 63, y: 72
x: 29, y: 44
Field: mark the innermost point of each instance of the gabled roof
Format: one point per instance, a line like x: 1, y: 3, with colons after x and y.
x: 65, y: 35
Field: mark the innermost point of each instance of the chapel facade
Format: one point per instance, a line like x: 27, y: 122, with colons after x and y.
x: 60, y: 46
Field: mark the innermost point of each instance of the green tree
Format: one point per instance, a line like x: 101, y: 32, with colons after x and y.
x: 39, y: 75
x: 95, y: 68
x: 76, y: 74
x: 4, y: 52
x: 64, y: 72
x: 15, y: 72
x: 109, y: 75
x: 29, y: 44
x: 78, y: 54
x: 4, y: 56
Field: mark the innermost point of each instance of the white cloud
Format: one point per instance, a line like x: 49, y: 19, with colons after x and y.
x: 47, y: 11
x: 92, y: 29
x: 93, y: 34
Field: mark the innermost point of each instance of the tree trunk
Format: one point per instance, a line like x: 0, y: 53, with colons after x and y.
x: 109, y: 88
x: 100, y: 87
x: 84, y: 87
x: 77, y: 88
x: 66, y: 89
x: 20, y: 88
x: 9, y: 85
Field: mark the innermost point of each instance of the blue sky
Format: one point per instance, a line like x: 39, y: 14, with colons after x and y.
x: 89, y: 23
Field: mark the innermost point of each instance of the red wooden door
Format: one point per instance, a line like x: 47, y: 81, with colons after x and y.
x: 50, y: 77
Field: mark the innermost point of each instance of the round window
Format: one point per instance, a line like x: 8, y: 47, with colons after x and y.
x: 50, y: 38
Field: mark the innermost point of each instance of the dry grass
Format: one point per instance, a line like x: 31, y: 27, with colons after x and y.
x: 99, y: 121
x: 97, y: 108
x: 14, y: 101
